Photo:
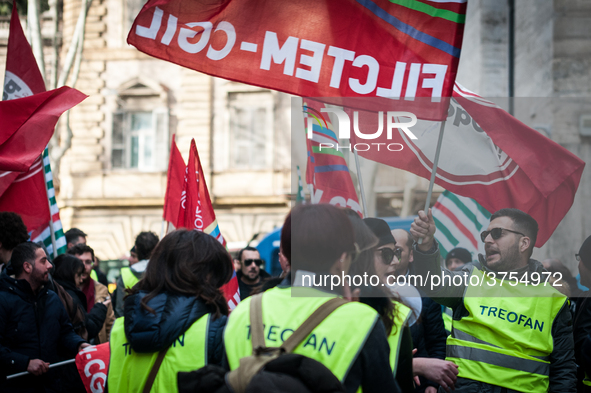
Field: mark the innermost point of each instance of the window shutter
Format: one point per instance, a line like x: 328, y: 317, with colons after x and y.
x: 160, y: 122
x: 118, y: 141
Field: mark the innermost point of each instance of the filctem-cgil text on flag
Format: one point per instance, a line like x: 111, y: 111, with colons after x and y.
x: 459, y: 222
x: 387, y: 49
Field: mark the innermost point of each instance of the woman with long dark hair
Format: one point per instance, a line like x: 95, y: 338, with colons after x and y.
x: 68, y: 273
x: 174, y: 316
x: 374, y: 262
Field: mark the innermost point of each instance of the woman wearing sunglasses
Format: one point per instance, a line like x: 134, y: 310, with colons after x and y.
x: 375, y: 258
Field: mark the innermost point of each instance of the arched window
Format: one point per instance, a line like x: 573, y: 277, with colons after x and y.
x: 140, y: 132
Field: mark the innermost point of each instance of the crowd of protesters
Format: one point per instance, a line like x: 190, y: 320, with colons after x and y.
x: 169, y: 326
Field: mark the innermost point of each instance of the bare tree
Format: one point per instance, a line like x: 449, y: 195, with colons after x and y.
x: 58, y: 146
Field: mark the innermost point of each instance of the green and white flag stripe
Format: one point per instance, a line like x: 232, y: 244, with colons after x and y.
x: 459, y: 221
x: 300, y: 197
x: 45, y: 236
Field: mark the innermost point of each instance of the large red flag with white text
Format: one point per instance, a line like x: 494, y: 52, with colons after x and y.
x: 326, y: 168
x: 196, y: 212
x: 487, y: 155
x: 312, y: 48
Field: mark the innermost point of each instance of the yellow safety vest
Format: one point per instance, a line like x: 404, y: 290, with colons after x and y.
x: 506, y: 339
x: 447, y: 319
x: 586, y: 380
x: 402, y: 314
x: 129, y: 279
x: 129, y: 370
x: 335, y: 342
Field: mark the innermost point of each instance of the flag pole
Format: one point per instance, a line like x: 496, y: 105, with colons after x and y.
x: 360, y: 180
x: 51, y: 229
x: 434, y: 170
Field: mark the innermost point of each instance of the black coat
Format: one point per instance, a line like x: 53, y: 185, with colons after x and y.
x: 428, y: 337
x: 32, y: 326
x: 582, y: 336
x: 95, y: 319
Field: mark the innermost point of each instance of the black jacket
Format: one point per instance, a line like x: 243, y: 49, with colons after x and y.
x: 428, y: 337
x: 32, y: 326
x: 246, y: 289
x: 582, y: 334
x: 95, y: 319
x: 175, y: 314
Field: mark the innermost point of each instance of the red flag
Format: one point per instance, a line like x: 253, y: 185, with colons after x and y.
x: 326, y: 168
x: 22, y: 77
x: 196, y: 212
x: 28, y: 124
x: 312, y: 48
x: 490, y: 156
x: 27, y: 197
x: 174, y: 184
x: 93, y: 365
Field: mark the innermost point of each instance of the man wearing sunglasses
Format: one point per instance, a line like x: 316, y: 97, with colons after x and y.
x: 508, y: 333
x: 250, y: 273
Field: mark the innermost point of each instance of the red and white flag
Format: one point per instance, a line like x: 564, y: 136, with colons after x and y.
x: 32, y: 121
x: 174, y: 184
x: 93, y: 365
x: 489, y: 156
x: 28, y: 124
x: 312, y: 48
x: 196, y: 212
x: 22, y: 77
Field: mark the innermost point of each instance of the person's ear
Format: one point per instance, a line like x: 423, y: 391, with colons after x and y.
x: 27, y: 267
x: 411, y: 256
x: 524, y: 243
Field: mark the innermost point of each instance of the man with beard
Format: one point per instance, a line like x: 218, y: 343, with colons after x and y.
x: 511, y: 330
x: 33, y: 324
x: 250, y: 273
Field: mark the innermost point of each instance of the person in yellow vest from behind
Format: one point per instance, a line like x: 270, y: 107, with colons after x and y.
x: 511, y: 330
x: 144, y: 244
x: 174, y: 318
x: 351, y: 341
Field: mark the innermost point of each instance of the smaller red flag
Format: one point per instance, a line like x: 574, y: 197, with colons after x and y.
x: 28, y: 124
x: 27, y: 197
x: 93, y: 365
x: 174, y: 184
x: 196, y: 212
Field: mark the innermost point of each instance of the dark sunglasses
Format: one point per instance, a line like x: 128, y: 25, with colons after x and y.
x: 496, y: 233
x: 388, y: 255
x: 248, y: 262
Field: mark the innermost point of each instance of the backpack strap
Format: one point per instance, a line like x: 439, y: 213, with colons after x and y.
x: 239, y: 378
x: 257, y: 333
x: 154, y: 371
x: 311, y: 323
